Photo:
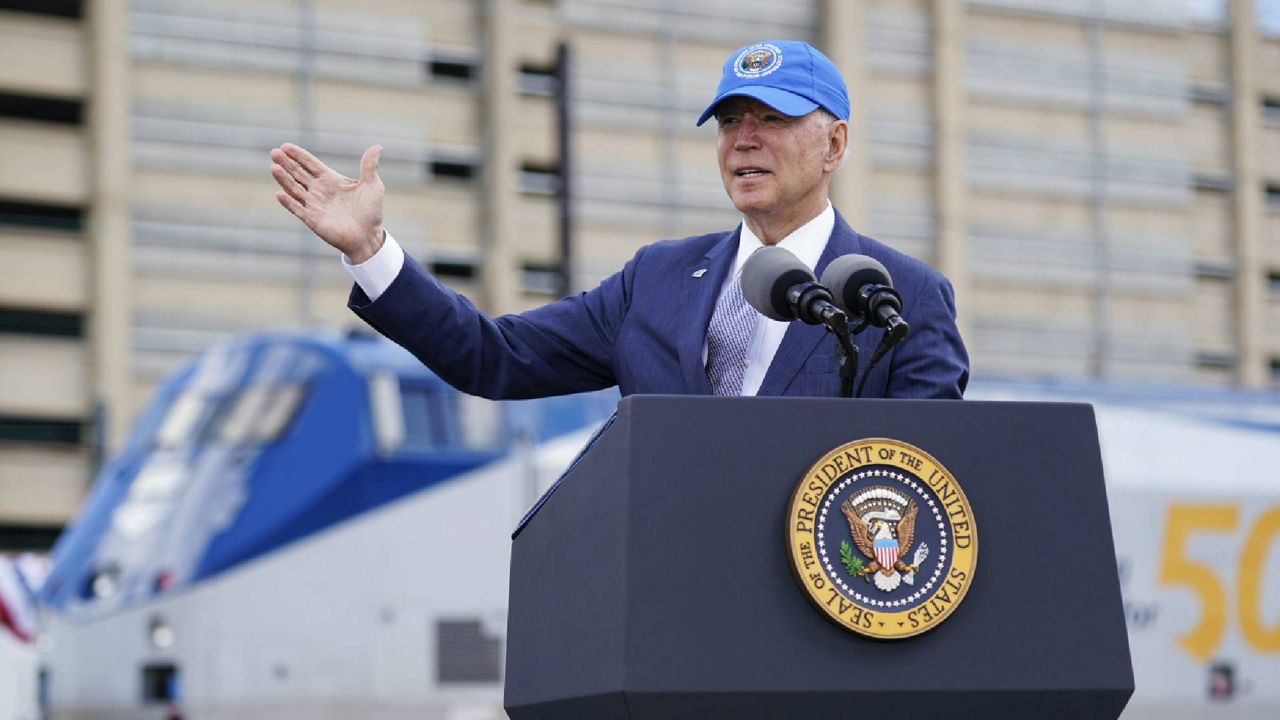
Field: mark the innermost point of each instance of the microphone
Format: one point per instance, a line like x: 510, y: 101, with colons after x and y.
x: 862, y: 288
x: 780, y: 287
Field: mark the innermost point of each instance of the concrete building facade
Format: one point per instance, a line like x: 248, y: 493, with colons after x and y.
x: 1099, y: 178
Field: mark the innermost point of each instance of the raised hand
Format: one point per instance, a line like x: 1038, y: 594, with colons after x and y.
x: 343, y: 212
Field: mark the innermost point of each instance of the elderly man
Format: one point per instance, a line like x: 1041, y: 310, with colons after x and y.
x: 673, y: 320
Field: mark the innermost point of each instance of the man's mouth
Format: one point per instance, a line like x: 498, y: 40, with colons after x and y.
x: 750, y: 172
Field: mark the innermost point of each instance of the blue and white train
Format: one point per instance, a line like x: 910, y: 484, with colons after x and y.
x: 301, y: 526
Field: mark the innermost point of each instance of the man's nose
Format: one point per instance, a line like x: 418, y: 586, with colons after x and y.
x: 747, y: 134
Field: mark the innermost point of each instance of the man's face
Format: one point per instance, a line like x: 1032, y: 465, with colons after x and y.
x: 772, y: 164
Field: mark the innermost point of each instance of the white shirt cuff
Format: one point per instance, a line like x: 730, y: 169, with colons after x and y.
x: 377, y: 273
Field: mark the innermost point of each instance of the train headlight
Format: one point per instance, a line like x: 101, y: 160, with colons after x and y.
x: 159, y: 633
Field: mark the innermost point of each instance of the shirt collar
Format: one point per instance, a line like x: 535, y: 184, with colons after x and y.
x: 805, y: 242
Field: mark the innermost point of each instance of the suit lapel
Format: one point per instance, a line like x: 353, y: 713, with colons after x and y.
x: 801, y: 340
x: 700, y: 295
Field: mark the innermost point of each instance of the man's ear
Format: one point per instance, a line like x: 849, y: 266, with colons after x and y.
x: 837, y: 145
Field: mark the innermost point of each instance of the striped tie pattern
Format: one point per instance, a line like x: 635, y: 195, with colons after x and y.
x: 728, y: 336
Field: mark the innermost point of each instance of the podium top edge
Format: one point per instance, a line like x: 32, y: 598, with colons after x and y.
x: 648, y: 399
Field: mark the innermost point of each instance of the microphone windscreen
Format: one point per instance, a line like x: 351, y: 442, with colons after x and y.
x: 846, y: 275
x: 766, y: 277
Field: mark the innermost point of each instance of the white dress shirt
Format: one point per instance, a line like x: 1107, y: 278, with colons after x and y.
x: 807, y: 242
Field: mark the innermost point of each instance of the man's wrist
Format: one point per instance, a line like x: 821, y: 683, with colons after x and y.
x: 377, y: 273
x: 368, y: 249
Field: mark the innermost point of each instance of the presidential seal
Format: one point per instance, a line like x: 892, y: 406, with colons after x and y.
x: 882, y: 538
x: 757, y: 61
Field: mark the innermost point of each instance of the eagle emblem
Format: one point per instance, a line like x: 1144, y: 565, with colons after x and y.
x: 882, y: 521
x: 904, y: 554
x: 757, y: 61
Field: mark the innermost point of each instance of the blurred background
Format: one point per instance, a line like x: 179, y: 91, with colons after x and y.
x: 1100, y: 179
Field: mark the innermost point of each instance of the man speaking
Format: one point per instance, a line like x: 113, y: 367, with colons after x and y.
x: 674, y: 320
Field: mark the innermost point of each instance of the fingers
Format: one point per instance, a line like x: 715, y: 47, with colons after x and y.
x: 305, y: 159
x: 291, y: 166
x: 369, y: 164
x: 291, y: 205
x: 288, y: 184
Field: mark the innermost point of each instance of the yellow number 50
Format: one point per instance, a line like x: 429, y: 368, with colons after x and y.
x: 1176, y: 569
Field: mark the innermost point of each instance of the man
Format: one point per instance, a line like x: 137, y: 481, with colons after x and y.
x: 673, y: 320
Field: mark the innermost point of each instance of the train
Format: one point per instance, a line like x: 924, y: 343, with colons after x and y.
x: 298, y: 520
x: 315, y: 526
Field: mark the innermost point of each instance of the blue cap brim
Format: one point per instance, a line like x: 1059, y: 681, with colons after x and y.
x: 785, y: 102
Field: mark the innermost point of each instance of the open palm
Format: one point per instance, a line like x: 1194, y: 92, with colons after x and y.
x: 343, y: 212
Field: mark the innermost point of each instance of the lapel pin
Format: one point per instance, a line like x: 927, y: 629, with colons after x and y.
x: 699, y: 273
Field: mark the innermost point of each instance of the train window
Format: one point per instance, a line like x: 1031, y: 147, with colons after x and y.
x: 259, y: 414
x: 425, y: 422
x: 236, y: 421
x: 385, y: 411
x: 278, y: 412
x: 135, y: 517
x: 158, y: 479
x: 481, y: 422
x: 181, y: 419
x: 436, y: 418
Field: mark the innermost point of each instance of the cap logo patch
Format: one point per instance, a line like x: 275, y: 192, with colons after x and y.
x: 757, y: 61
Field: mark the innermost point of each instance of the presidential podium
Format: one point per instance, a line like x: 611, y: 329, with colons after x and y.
x: 654, y: 581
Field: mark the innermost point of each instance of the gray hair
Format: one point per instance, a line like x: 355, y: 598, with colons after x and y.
x: 826, y: 118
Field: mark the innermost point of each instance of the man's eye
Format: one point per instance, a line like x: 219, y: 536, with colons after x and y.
x: 774, y: 119
x: 728, y: 120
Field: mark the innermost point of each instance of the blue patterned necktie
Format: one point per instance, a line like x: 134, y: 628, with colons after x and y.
x: 728, y: 336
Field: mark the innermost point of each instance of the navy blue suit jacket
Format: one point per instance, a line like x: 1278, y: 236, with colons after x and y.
x: 644, y: 328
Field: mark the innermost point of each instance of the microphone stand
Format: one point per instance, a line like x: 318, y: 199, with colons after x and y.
x: 811, y: 303
x: 874, y: 299
x: 838, y: 323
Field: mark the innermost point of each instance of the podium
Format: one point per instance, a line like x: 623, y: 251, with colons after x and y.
x: 654, y: 581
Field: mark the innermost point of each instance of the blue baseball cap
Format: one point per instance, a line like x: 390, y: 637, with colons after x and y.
x: 789, y: 76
